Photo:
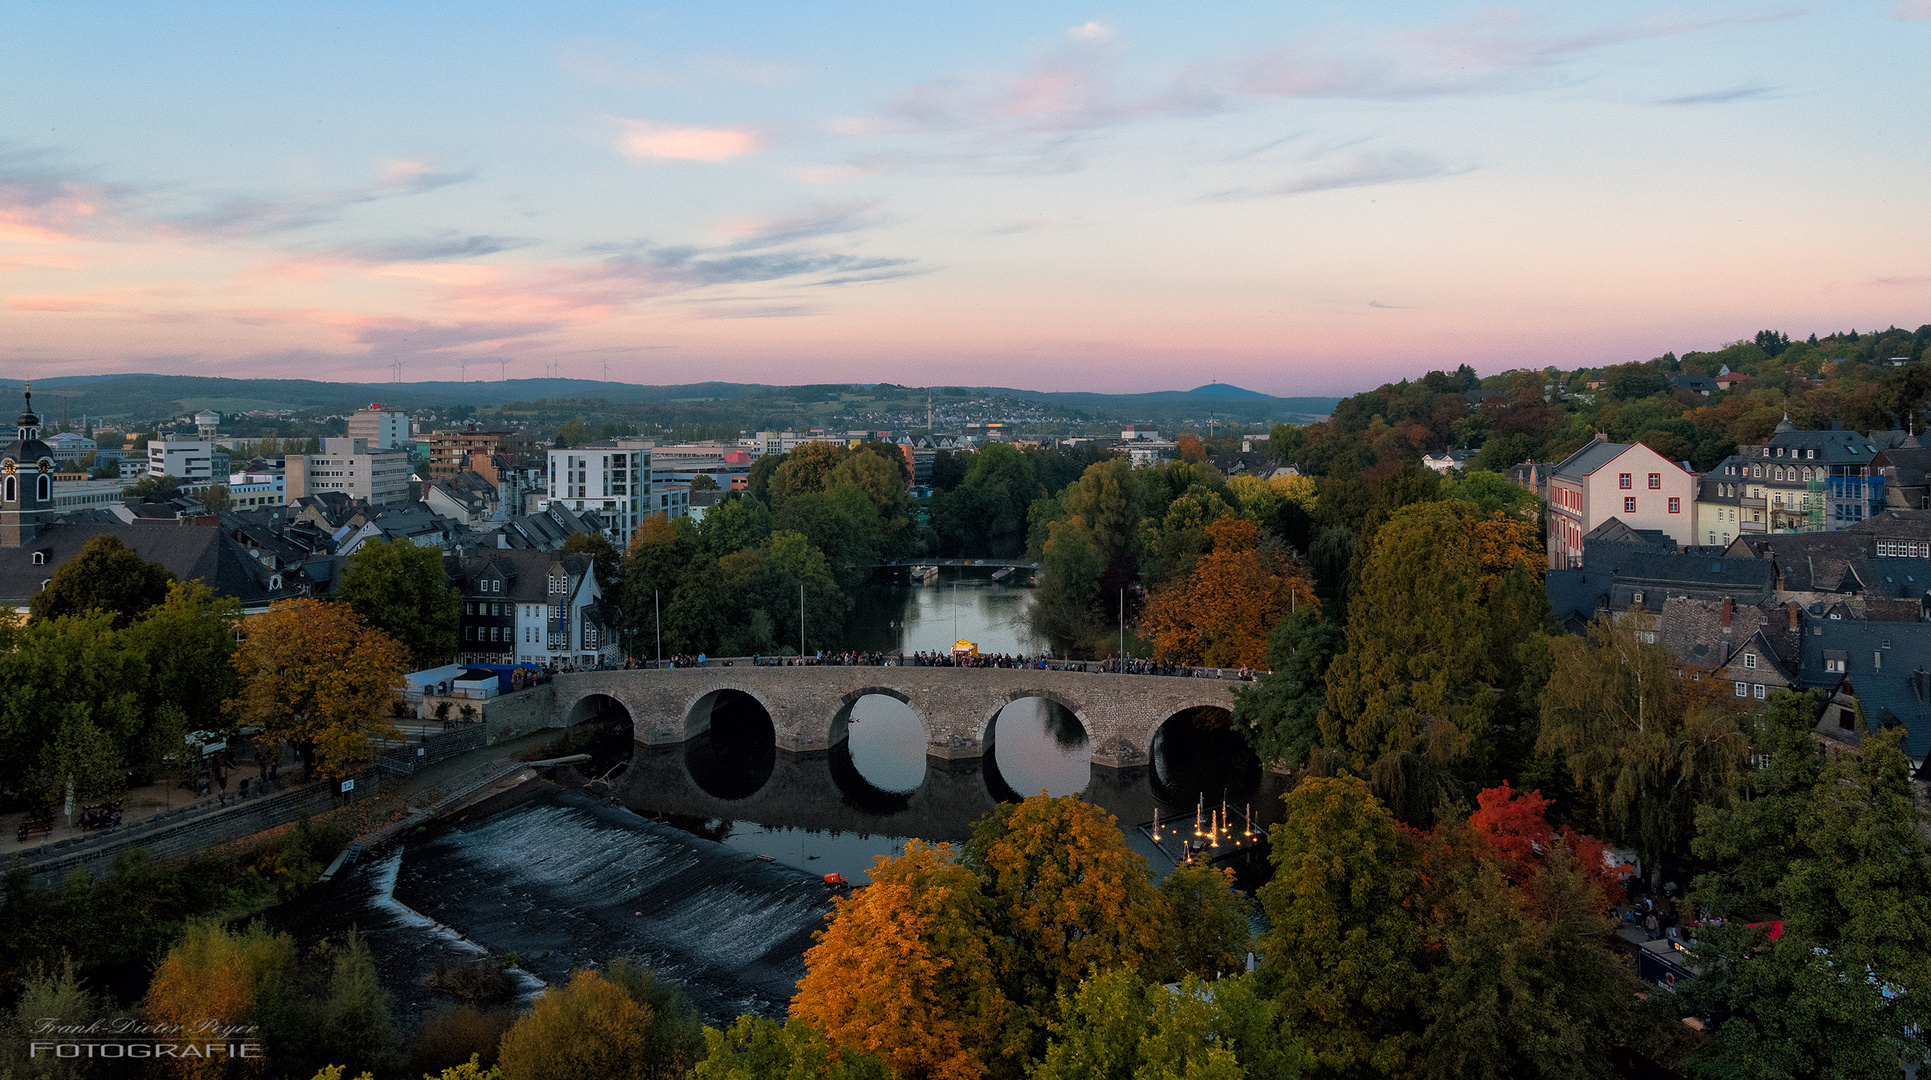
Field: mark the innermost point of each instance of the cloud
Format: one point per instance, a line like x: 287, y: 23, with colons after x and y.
x: 411, y: 336
x: 644, y: 139
x: 1367, y: 169
x: 1093, y: 30
x: 1720, y: 97
x: 1387, y: 307
x: 251, y: 216
x: 1490, y: 52
x: 1911, y: 9
x: 429, y: 248
x: 829, y: 219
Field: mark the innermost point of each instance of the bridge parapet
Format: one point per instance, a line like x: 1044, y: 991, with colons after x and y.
x: 809, y: 706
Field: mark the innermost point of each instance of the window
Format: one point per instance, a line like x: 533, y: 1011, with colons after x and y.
x: 1676, y: 506
x: 1743, y: 689
x: 1750, y: 660
x: 13, y: 488
x: 1629, y: 505
x: 1834, y: 666
x: 1757, y: 691
x: 1636, y: 597
x: 1656, y: 481
x: 1845, y: 719
x: 1623, y: 481
x: 44, y: 488
x: 40, y: 558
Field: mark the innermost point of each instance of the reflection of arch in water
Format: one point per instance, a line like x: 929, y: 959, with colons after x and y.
x: 887, y: 765
x: 1196, y: 752
x: 730, y: 744
x: 1047, y: 748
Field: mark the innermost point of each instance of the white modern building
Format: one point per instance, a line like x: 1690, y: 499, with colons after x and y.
x: 612, y: 478
x: 252, y: 490
x: 194, y: 462
x: 351, y: 467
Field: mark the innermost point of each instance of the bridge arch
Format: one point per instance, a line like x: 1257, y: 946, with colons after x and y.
x: 1195, y: 751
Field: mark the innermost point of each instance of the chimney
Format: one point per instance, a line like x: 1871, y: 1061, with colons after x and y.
x: 1792, y: 608
x: 1729, y: 605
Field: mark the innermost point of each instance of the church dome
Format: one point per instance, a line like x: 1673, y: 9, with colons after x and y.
x: 1786, y: 425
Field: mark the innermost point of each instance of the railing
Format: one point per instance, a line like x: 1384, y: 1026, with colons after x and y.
x: 1089, y: 667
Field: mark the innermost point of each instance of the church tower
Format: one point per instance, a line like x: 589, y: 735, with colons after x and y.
x: 26, y: 480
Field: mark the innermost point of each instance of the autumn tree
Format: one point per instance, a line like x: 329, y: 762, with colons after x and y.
x: 1636, y: 739
x: 588, y: 1029
x: 313, y: 675
x: 402, y: 589
x: 1068, y: 897
x: 904, y: 971
x: 218, y: 975
x: 105, y: 575
x: 1222, y: 614
x: 1519, y: 978
x: 1446, y: 594
x: 1343, y: 937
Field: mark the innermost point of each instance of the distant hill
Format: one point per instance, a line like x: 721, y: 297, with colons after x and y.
x: 144, y: 399
x: 1221, y: 389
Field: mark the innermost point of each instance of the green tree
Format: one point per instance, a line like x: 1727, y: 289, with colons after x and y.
x: 153, y: 488
x: 738, y: 522
x: 1066, y: 604
x: 1116, y: 1027
x: 1841, y: 992
x: 402, y: 589
x: 1445, y: 596
x: 215, y: 497
x: 1280, y: 713
x: 1210, y: 920
x: 1490, y: 492
x: 804, y: 471
x: 105, y: 575
x: 188, y: 644
x: 231, y: 977
x: 758, y: 1049
x: 357, y: 1027
x: 1343, y: 937
x: 605, y: 559
x: 1645, y: 750
x: 73, y: 701
x: 51, y: 992
x: 674, y: 1039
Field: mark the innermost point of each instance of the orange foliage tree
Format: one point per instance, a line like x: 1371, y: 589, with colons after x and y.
x: 1222, y: 614
x: 312, y: 674
x: 903, y: 971
x: 214, y: 976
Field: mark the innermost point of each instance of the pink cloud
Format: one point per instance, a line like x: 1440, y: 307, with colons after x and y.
x: 1911, y: 9
x: 648, y: 139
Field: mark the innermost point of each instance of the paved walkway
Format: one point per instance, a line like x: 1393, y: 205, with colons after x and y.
x: 164, y: 804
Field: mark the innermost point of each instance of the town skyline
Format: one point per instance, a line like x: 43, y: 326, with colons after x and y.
x: 1293, y: 202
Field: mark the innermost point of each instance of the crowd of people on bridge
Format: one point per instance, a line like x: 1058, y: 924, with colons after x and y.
x: 1112, y: 665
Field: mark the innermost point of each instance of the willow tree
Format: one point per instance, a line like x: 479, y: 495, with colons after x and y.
x: 1644, y: 744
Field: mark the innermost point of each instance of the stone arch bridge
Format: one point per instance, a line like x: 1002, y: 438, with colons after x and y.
x: 810, y: 707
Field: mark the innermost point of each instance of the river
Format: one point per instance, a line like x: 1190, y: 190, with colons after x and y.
x: 708, y: 859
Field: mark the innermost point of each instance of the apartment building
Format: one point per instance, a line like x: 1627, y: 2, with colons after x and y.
x: 351, y: 467
x: 1804, y: 481
x: 450, y: 450
x: 611, y: 478
x: 381, y: 429
x: 1626, y: 481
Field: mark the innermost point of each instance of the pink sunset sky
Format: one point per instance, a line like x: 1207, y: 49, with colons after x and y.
x: 1299, y: 199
